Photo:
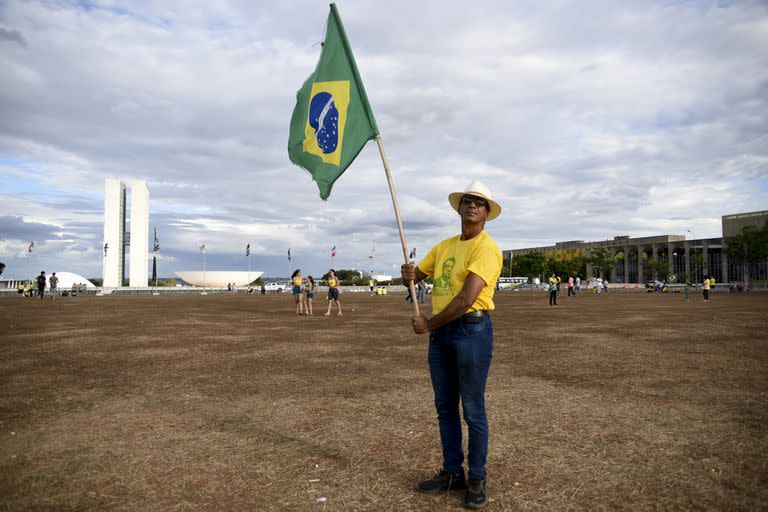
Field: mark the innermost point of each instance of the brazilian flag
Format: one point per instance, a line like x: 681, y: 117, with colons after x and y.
x: 332, y: 119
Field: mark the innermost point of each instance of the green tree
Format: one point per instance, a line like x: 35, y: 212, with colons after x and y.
x: 659, y: 268
x: 603, y: 260
x: 530, y: 265
x: 748, y: 249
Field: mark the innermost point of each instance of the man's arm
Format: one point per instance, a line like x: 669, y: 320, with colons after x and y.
x: 473, y: 285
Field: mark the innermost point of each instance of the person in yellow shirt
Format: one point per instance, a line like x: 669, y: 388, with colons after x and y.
x: 464, y: 270
x: 298, y: 293
x: 333, y: 293
x: 712, y: 284
x: 552, y: 290
x: 706, y: 288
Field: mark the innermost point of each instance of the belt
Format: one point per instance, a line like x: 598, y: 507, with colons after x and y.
x: 475, y: 317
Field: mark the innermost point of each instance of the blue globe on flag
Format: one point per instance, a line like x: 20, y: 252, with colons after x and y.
x: 324, y: 118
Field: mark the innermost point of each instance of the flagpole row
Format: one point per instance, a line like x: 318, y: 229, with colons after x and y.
x: 398, y: 219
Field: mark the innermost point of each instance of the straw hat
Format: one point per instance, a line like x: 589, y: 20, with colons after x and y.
x: 477, y: 189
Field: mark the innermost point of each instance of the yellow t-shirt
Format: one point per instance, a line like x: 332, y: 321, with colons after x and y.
x: 454, y: 259
x: 706, y: 284
x: 296, y: 281
x: 331, y: 282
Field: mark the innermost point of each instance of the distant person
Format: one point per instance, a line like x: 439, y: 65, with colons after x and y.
x: 298, y: 294
x: 229, y: 287
x: 421, y: 291
x: 73, y: 291
x: 310, y: 290
x: 706, y: 288
x: 552, y: 289
x: 263, y: 289
x: 571, y: 290
x: 605, y: 285
x: 20, y: 290
x: 372, y: 285
x: 333, y: 293
x: 53, y: 281
x: 686, y: 289
x: 712, y: 284
x: 577, y: 283
x: 559, y: 280
x: 2, y: 267
x: 41, y: 284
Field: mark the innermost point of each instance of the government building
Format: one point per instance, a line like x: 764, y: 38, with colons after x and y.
x: 692, y: 258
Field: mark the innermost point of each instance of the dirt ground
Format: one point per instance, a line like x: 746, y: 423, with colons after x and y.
x: 221, y: 402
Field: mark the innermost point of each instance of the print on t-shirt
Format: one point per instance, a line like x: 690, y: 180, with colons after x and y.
x: 443, y: 285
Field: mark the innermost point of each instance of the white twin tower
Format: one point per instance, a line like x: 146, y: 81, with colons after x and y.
x: 116, y: 237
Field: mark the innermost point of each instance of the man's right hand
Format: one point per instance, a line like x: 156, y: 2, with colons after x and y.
x: 408, y: 273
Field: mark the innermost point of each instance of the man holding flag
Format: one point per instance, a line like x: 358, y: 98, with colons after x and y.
x: 461, y: 339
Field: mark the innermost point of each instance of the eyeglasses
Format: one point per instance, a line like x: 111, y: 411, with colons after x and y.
x: 467, y: 200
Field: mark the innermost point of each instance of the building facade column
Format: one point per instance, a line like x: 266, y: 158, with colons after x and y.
x: 705, y: 253
x: 640, y: 275
x: 724, y: 261
x: 670, y: 262
x: 626, y: 264
x: 687, y: 251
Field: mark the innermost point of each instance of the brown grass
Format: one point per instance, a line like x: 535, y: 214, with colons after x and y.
x: 221, y: 402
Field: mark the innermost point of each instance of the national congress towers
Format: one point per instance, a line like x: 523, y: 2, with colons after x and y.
x: 116, y: 237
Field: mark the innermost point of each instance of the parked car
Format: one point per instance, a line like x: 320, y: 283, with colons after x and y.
x: 275, y: 287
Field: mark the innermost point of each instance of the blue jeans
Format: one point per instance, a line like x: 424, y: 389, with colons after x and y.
x: 459, y: 359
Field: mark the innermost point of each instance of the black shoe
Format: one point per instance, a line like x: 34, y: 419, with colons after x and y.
x: 443, y: 482
x: 477, y: 494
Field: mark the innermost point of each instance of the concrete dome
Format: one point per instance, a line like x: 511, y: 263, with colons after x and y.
x: 67, y: 279
x: 218, y: 278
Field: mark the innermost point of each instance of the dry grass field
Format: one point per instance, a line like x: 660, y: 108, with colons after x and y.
x: 221, y: 402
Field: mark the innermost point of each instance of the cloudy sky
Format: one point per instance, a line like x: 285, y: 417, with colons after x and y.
x: 586, y: 119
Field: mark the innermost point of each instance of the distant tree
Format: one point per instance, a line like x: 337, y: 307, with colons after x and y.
x: 748, y: 249
x: 257, y: 282
x: 603, y: 260
x: 659, y: 268
x: 97, y: 281
x: 530, y: 265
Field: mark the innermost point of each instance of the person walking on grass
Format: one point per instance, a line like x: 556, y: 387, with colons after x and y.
x: 298, y: 294
x: 552, y: 289
x: 310, y: 289
x: 41, y: 284
x: 53, y: 281
x: 706, y: 288
x: 461, y: 340
x: 571, y: 291
x: 333, y: 293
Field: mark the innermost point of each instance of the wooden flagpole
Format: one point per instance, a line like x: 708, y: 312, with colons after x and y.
x: 399, y: 221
